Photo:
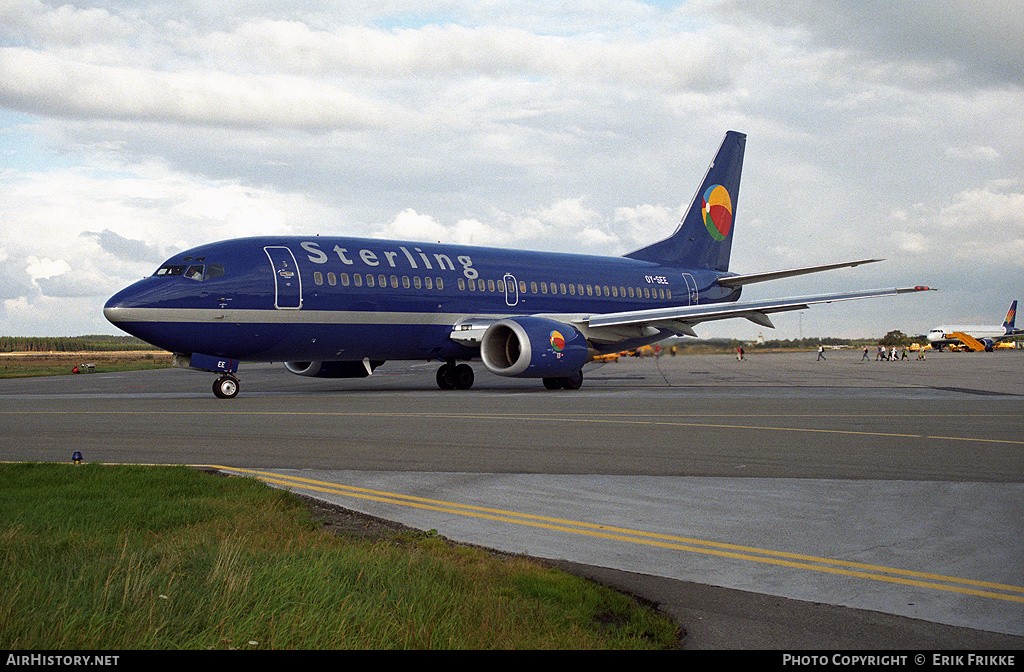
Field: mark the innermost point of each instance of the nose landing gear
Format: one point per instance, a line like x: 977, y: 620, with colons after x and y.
x: 225, y: 387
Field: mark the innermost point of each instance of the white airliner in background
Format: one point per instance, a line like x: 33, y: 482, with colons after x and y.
x: 987, y: 334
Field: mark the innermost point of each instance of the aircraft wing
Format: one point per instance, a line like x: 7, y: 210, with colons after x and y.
x: 1008, y: 335
x: 681, y: 319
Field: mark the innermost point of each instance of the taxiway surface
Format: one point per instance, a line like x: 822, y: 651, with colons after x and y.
x: 861, y: 504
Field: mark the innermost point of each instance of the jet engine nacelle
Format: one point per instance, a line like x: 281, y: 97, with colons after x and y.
x: 533, y: 347
x: 332, y: 369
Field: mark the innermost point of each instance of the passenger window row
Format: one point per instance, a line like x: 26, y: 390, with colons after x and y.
x: 371, y: 280
x: 491, y: 286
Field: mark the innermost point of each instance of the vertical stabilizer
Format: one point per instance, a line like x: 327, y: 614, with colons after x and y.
x: 704, y: 237
x: 1011, y: 317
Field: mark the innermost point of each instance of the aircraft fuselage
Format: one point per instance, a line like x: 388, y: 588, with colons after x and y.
x: 293, y: 298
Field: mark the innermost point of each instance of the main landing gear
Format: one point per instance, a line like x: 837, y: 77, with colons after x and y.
x: 455, y: 377
x: 225, y: 387
x: 571, y: 382
x: 451, y: 376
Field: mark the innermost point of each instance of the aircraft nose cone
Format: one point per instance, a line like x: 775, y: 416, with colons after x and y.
x: 116, y: 306
x: 125, y: 306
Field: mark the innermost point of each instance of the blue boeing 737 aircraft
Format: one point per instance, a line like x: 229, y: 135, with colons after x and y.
x: 341, y: 307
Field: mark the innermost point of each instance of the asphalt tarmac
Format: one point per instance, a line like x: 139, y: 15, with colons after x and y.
x: 775, y: 503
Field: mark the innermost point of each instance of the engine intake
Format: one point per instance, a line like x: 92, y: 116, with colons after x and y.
x: 533, y: 347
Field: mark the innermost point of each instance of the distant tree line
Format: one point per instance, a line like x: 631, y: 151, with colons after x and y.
x: 96, y: 343
x: 897, y: 338
x: 800, y: 343
x: 775, y: 344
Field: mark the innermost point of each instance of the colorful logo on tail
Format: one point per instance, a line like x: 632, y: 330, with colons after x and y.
x: 557, y: 341
x: 716, y: 209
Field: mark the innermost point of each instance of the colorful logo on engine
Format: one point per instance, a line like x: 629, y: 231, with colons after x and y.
x: 716, y: 209
x: 557, y: 341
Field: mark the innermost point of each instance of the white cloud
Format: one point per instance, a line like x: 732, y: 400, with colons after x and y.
x: 15, y: 307
x: 972, y: 153
x: 45, y: 268
x: 983, y: 38
x: 646, y: 223
x: 410, y: 225
x: 986, y: 225
x: 132, y: 130
x: 46, y: 84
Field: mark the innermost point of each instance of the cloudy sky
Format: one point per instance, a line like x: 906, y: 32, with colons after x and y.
x: 132, y: 130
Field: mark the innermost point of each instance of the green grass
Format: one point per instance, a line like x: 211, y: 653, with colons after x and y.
x: 62, y: 364
x: 119, y: 557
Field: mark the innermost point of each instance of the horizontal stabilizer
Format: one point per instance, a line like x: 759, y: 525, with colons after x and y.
x: 738, y: 280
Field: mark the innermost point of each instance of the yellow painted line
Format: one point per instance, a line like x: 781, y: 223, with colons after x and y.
x: 577, y: 419
x: 765, y: 556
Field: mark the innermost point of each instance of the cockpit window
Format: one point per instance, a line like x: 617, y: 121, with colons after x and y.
x: 197, y: 272
x: 170, y: 270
